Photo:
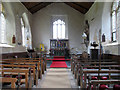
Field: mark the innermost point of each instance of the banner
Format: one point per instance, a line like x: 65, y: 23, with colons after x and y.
x: 41, y: 47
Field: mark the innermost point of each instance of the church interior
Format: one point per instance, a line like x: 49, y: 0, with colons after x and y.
x: 60, y: 44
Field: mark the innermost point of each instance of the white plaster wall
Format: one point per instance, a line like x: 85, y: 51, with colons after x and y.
x: 9, y: 19
x: 94, y: 17
x: 111, y: 47
x: 14, y: 26
x: 99, y: 18
x: 119, y: 49
x: 106, y: 21
x: 42, y: 26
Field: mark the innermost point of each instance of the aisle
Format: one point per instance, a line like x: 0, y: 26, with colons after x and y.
x: 56, y: 78
x: 58, y: 64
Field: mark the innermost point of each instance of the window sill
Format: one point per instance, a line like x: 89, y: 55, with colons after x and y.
x: 111, y: 44
x: 6, y: 45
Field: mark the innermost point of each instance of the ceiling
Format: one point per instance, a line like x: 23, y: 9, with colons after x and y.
x: 82, y: 7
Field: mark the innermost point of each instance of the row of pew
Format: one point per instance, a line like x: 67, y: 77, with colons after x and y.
x: 94, y: 74
x: 22, y: 72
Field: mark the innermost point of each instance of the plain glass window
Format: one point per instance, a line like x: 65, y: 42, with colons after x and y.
x: 115, y: 19
x: 3, y: 28
x: 23, y: 32
x: 59, y: 29
x: 26, y: 35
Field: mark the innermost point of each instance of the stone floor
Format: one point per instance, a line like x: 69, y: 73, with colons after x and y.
x: 57, y: 78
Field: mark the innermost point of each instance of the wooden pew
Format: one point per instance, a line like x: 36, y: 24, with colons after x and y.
x: 97, y: 60
x: 19, y: 71
x: 96, y: 82
x: 89, y: 71
x: 73, y: 60
x: 24, y: 62
x: 77, y: 65
x: 42, y: 62
x: 9, y: 80
x: 45, y: 61
x: 76, y: 58
x: 97, y: 67
x: 32, y: 67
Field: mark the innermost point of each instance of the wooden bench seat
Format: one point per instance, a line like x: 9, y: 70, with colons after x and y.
x: 9, y: 80
x: 34, y: 74
x: 37, y: 65
x: 95, y: 82
x: 42, y: 61
x: 40, y: 66
x: 82, y: 68
x: 26, y: 71
x: 84, y: 73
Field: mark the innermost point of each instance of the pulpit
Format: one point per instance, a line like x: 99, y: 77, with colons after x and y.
x: 94, y: 53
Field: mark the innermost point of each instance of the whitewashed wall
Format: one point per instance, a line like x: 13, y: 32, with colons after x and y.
x: 112, y: 47
x: 99, y: 17
x: 13, y: 12
x: 94, y: 17
x: 42, y: 26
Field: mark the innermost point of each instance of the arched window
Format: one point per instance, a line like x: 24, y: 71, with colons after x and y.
x: 59, y: 29
x: 115, y: 19
x: 3, y: 28
x: 23, y: 32
x: 26, y: 31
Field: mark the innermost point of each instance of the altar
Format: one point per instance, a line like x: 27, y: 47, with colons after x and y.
x: 59, y: 47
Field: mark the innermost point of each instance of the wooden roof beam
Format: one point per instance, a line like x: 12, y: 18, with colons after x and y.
x: 39, y: 7
x: 35, y: 6
x: 81, y: 6
x: 76, y: 7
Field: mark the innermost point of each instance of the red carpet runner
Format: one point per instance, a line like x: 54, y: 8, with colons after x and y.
x: 58, y: 63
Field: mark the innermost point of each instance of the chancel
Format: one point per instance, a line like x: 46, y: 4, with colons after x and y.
x: 60, y: 44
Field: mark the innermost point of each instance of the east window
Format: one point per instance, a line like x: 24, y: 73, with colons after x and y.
x: 59, y: 29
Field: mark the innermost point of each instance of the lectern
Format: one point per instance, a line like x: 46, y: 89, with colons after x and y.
x: 30, y: 51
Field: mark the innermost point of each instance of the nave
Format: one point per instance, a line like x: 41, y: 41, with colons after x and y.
x: 45, y: 77
x: 82, y: 73
x: 60, y: 44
